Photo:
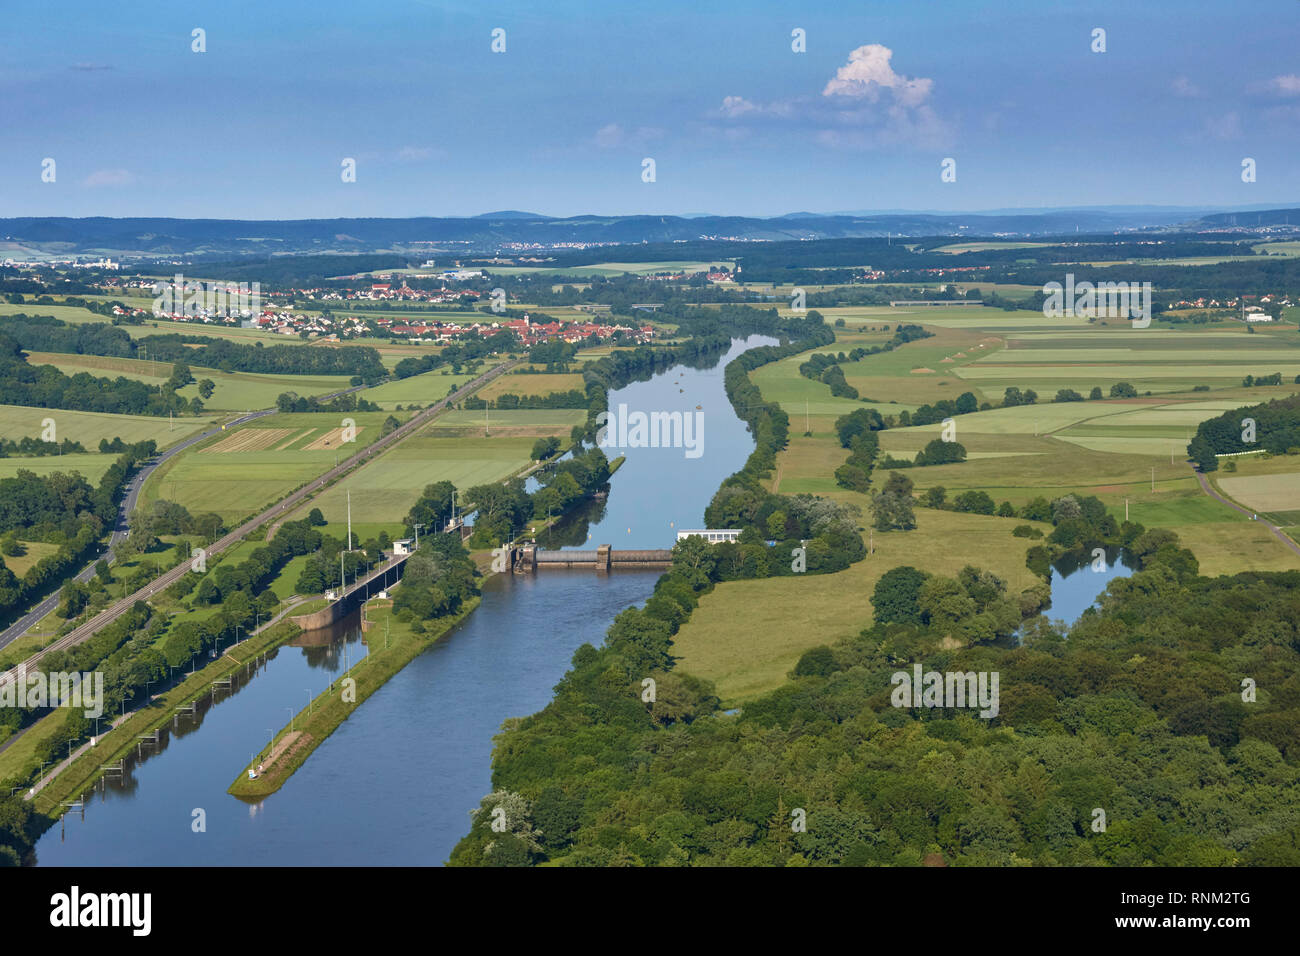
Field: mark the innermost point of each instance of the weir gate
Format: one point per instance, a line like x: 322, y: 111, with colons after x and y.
x: 529, y: 559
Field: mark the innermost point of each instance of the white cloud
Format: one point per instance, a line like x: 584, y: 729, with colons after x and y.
x: 1287, y: 84
x: 416, y: 154
x: 851, y: 112
x: 1227, y: 126
x: 1182, y: 86
x: 868, y: 72
x: 109, y: 177
x: 613, y: 136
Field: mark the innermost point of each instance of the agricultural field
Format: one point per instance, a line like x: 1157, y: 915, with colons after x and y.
x: 539, y: 383
x: 1269, y: 485
x: 238, y: 473
x: 746, y: 636
x: 90, y: 467
x: 516, y: 423
x: 18, y: 421
x: 235, y: 391
x: 422, y: 390
x: 383, y: 491
x: 1127, y: 452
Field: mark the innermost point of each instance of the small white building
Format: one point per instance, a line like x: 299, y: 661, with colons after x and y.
x: 404, y: 546
x: 711, y: 535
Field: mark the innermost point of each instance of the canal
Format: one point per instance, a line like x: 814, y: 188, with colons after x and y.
x: 394, y: 784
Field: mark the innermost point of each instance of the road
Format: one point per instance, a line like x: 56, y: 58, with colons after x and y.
x: 120, y: 529
x: 1277, y: 531
x: 285, y: 506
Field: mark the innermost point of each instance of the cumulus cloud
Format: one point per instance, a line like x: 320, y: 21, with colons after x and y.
x: 109, y: 177
x: 865, y: 105
x: 869, y: 71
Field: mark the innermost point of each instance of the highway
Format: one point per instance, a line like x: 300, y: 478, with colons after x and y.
x: 112, y: 612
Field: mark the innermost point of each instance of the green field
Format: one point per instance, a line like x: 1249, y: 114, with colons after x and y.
x: 241, y: 391
x: 538, y: 383
x: 18, y: 421
x: 238, y: 484
x: 548, y: 420
x: 422, y: 390
x: 90, y: 467
x: 747, y: 635
x: 384, y: 490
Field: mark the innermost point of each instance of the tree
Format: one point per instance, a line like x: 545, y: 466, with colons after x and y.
x: 1123, y: 390
x: 896, y: 596
x: 206, y: 388
x: 544, y: 448
x: 940, y: 452
x: 935, y: 497
x: 977, y: 502
x: 898, y: 484
x: 893, y: 511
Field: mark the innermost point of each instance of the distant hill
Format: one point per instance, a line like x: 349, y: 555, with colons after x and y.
x: 510, y: 214
x: 490, y: 231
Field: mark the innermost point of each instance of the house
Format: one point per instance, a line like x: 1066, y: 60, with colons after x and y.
x: 713, y: 536
x: 403, y: 546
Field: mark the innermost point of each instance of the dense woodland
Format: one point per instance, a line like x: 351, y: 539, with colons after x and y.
x: 1137, y: 714
x: 1276, y: 429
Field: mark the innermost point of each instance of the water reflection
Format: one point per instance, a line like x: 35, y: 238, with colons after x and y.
x: 393, y: 784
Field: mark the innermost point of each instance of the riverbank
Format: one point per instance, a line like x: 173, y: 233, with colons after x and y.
x: 87, y: 768
x: 392, y: 645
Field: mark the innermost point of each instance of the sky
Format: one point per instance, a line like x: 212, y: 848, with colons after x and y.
x: 736, y: 121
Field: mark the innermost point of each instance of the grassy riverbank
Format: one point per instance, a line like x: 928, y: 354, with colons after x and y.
x: 392, y: 645
x: 87, y: 768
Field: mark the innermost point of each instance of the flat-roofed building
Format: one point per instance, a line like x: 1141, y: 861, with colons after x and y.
x: 711, y: 535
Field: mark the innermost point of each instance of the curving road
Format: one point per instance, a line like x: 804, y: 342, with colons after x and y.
x: 278, y: 510
x: 1277, y: 531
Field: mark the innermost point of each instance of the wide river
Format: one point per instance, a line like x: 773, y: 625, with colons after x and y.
x: 394, y: 784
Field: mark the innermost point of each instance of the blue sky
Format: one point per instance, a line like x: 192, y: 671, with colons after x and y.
x: 737, y: 123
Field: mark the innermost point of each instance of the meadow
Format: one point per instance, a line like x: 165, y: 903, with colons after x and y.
x: 422, y: 390
x: 19, y: 421
x: 237, y: 484
x: 746, y: 636
x: 235, y: 391
x: 383, y: 491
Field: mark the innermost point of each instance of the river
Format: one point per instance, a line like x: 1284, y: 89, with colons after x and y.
x: 394, y: 784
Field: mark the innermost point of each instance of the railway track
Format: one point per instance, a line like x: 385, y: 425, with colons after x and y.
x: 105, y: 617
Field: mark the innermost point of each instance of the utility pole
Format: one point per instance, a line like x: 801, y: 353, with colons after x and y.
x: 349, y: 519
x: 1125, y: 509
x: 1153, y: 478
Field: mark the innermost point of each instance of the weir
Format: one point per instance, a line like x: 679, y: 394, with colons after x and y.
x: 528, y: 559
